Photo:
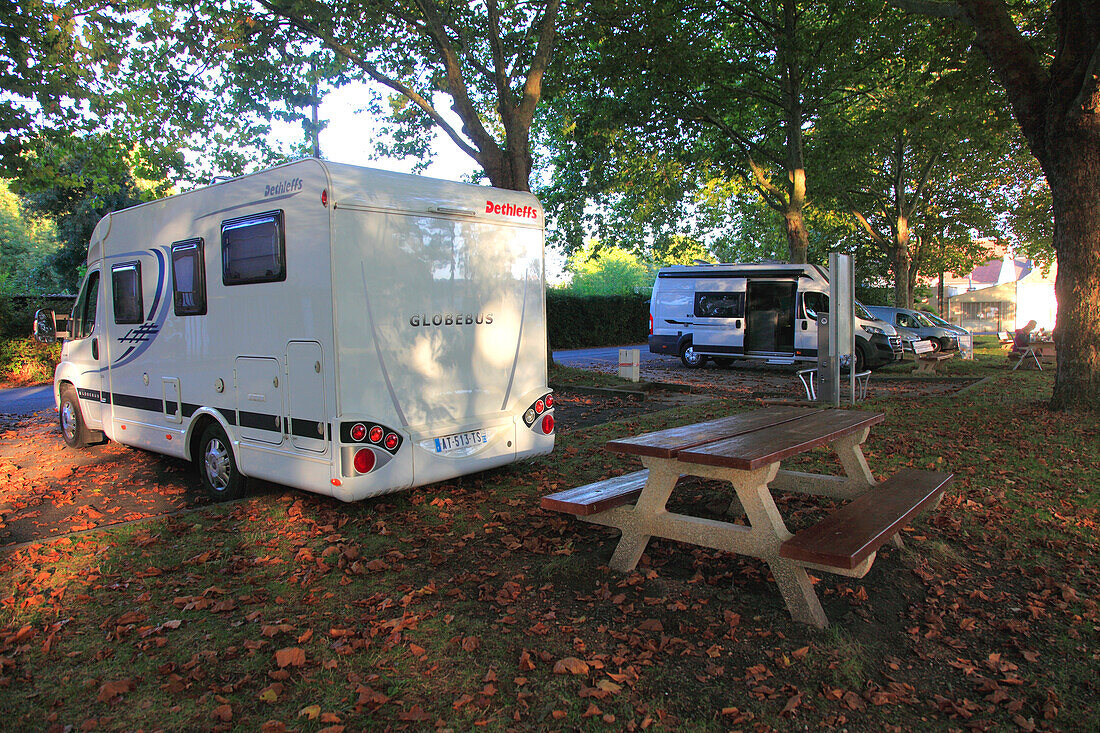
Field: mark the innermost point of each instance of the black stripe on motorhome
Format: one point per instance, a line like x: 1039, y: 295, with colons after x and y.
x: 256, y: 420
x: 751, y: 274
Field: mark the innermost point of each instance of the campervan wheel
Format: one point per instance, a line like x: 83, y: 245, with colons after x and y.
x: 691, y: 358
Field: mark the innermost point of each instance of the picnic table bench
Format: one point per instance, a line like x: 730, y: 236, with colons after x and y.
x: 745, y: 450
x: 927, y: 358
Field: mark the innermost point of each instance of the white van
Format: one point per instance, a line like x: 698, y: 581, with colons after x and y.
x: 765, y: 312
x: 338, y: 329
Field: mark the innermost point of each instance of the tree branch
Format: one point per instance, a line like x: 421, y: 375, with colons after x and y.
x: 372, y: 71
x: 1011, y: 56
x: 462, y: 105
x: 1086, y: 98
x: 532, y: 87
x: 931, y: 8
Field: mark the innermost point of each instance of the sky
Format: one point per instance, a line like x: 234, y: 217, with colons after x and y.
x: 348, y: 138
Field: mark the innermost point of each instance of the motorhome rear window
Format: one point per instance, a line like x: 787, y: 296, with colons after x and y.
x: 253, y: 249
x: 719, y: 305
x: 126, y: 293
x: 188, y: 278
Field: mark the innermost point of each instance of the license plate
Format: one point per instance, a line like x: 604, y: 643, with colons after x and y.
x: 460, y: 441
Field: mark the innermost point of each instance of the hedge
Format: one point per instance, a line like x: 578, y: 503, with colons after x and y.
x: 577, y: 322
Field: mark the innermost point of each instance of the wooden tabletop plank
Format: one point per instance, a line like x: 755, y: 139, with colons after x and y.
x: 761, y: 447
x: 667, y: 443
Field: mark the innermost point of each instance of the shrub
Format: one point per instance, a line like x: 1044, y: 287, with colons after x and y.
x: 25, y: 361
x: 575, y: 322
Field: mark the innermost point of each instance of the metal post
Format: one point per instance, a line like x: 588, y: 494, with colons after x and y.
x: 841, y: 343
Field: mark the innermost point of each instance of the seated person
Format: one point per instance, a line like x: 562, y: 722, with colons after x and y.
x: 1022, y: 337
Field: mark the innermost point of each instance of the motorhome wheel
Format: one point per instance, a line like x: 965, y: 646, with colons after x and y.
x: 217, y: 468
x: 72, y: 420
x: 690, y: 358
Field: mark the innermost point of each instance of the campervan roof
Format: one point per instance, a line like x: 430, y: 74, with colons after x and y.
x: 815, y: 273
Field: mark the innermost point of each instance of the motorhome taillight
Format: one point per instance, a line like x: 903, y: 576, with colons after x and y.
x: 370, y: 432
x: 324, y: 197
x: 547, y: 424
x: 541, y: 405
x: 650, y: 324
x: 364, y: 460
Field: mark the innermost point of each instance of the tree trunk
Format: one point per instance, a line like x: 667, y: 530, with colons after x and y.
x: 903, y: 296
x: 798, y: 242
x: 511, y: 168
x: 1075, y: 168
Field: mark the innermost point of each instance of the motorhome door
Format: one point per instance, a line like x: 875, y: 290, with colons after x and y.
x: 87, y: 348
x: 769, y: 315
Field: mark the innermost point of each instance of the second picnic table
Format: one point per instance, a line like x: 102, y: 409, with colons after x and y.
x: 746, y: 450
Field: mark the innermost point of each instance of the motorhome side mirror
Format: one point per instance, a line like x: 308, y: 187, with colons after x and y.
x: 44, y: 330
x: 49, y: 327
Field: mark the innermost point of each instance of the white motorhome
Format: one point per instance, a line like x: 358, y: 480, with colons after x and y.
x: 338, y: 329
x: 764, y: 312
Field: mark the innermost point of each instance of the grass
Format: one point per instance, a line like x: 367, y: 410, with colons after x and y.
x: 454, y: 604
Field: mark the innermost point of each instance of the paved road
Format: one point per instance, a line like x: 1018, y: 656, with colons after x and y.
x: 26, y: 400
x: 583, y: 358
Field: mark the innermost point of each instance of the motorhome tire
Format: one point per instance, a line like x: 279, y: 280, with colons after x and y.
x: 691, y: 358
x: 217, y: 468
x: 73, y: 429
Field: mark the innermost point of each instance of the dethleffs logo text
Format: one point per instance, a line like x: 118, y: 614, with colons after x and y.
x: 451, y: 319
x: 523, y: 212
x: 283, y: 187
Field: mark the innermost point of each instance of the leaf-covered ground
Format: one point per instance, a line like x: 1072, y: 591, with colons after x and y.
x: 462, y: 605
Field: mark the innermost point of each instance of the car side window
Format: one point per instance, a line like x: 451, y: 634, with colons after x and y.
x: 720, y: 305
x: 814, y: 303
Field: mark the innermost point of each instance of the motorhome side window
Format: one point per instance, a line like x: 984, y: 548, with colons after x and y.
x: 83, y: 317
x: 253, y: 249
x: 188, y: 278
x: 720, y: 305
x: 814, y: 303
x: 126, y: 293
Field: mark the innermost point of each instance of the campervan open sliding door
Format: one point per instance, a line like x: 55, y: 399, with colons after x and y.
x: 769, y: 309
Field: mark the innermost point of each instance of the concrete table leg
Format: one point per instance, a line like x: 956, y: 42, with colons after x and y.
x: 635, y: 526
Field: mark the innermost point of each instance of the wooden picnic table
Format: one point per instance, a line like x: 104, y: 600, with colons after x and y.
x: 1035, y: 351
x: 746, y: 450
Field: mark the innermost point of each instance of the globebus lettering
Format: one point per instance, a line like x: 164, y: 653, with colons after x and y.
x: 522, y: 212
x: 451, y: 319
